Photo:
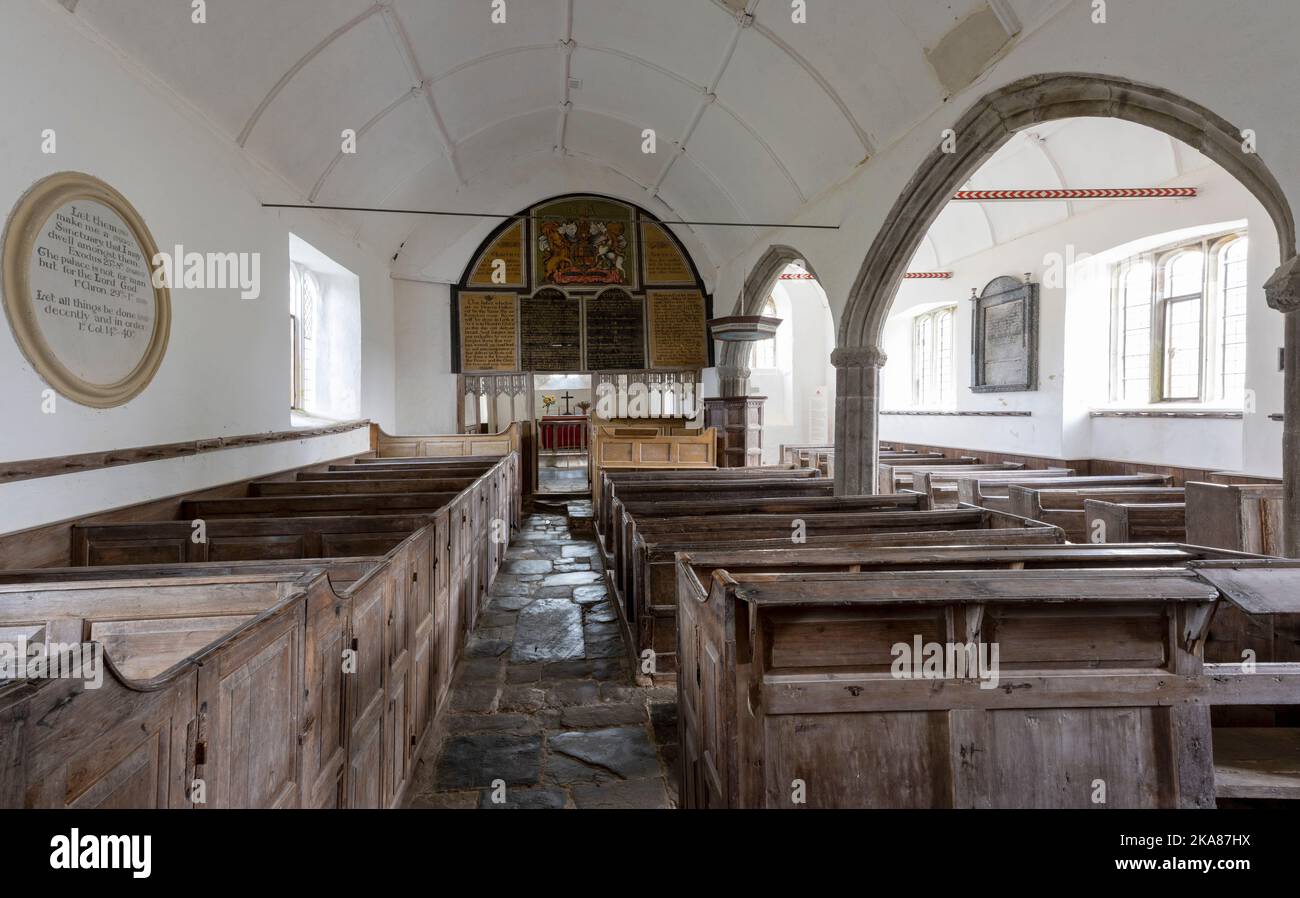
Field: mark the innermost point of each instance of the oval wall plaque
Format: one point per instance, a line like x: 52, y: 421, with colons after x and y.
x: 79, y: 293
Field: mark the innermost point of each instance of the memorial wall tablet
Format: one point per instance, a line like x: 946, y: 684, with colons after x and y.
x: 488, y: 332
x: 550, y: 332
x: 502, y: 265
x: 664, y: 263
x: 678, y: 333
x: 615, y: 325
x: 1004, y: 337
x: 79, y: 290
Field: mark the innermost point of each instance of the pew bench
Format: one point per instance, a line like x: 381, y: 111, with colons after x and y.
x: 646, y: 593
x: 1064, y: 507
x: 988, y: 492
x: 893, y: 476
x: 943, y: 486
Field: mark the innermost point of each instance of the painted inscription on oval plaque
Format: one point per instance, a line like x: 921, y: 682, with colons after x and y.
x: 79, y: 291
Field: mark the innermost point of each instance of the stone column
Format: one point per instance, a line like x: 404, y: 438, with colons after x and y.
x: 733, y: 380
x: 857, y: 405
x: 1283, y: 293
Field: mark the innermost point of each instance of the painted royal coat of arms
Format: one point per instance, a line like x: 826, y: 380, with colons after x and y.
x: 584, y: 243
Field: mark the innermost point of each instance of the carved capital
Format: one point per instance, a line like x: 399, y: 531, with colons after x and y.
x: 1282, y: 290
x: 858, y: 357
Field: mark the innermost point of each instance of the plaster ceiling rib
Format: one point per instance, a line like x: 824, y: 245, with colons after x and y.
x: 868, y: 146
x: 1041, y: 144
x: 566, y: 101
x: 407, y: 51
x: 361, y: 132
x: 702, y: 89
x: 311, y: 54
x: 708, y: 94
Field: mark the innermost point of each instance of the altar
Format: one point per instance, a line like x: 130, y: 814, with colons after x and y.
x: 563, y: 433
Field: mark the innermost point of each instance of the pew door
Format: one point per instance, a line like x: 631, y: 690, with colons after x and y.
x: 250, y: 701
x: 111, y: 747
x: 324, y: 726
x: 424, y: 644
x: 397, y: 736
x: 366, y: 697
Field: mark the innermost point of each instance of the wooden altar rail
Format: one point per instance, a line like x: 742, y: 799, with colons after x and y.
x: 562, y: 436
x: 629, y: 448
x: 31, y: 469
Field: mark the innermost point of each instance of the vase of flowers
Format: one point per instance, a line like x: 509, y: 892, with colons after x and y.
x: 547, y: 402
x: 584, y: 407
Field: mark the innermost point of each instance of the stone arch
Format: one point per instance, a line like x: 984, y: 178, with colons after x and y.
x: 733, y: 363
x: 985, y: 127
x: 991, y: 122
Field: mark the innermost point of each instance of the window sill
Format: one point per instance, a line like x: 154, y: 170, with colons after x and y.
x: 957, y: 414
x: 299, y: 418
x: 1217, y: 413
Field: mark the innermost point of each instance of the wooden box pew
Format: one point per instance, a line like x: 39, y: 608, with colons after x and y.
x: 610, y: 479
x: 1242, y: 516
x: 894, y: 476
x: 1245, y: 516
x: 942, y: 486
x: 993, y: 492
x: 632, y: 513
x: 351, y: 474
x: 173, y: 542
x: 788, y: 453
x: 218, y: 681
x: 647, y: 595
x: 807, y: 678
x: 1063, y: 506
x: 1131, y: 522
x: 309, y: 506
x: 265, y: 488
x: 342, y: 572
x: 643, y: 492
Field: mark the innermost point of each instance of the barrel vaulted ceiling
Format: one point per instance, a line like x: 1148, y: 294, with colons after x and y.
x: 755, y: 115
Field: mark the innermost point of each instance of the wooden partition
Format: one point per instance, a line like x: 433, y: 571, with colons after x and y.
x: 629, y: 448
x: 265, y: 682
x: 793, y: 691
x: 1242, y: 516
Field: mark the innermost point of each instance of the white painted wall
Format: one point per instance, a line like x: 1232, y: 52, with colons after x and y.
x: 1074, y: 343
x: 426, y: 388
x: 804, y: 374
x: 226, y: 371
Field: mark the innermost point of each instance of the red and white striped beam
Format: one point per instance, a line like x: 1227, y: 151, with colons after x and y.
x: 805, y: 276
x: 1076, y: 193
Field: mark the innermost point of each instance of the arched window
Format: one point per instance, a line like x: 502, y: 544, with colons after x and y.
x: 1179, y: 317
x: 304, y: 313
x: 932, y: 354
x: 763, y: 352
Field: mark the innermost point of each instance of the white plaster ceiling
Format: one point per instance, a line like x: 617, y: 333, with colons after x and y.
x: 1076, y: 153
x: 755, y: 115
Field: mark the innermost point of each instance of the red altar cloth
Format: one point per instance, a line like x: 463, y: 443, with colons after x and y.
x: 563, y: 432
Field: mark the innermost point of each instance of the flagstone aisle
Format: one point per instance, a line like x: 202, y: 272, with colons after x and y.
x: 543, y: 699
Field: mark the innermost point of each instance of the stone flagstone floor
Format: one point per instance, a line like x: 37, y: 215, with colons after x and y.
x: 543, y: 701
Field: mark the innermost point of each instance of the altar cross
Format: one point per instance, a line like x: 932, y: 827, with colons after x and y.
x: 566, y: 397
